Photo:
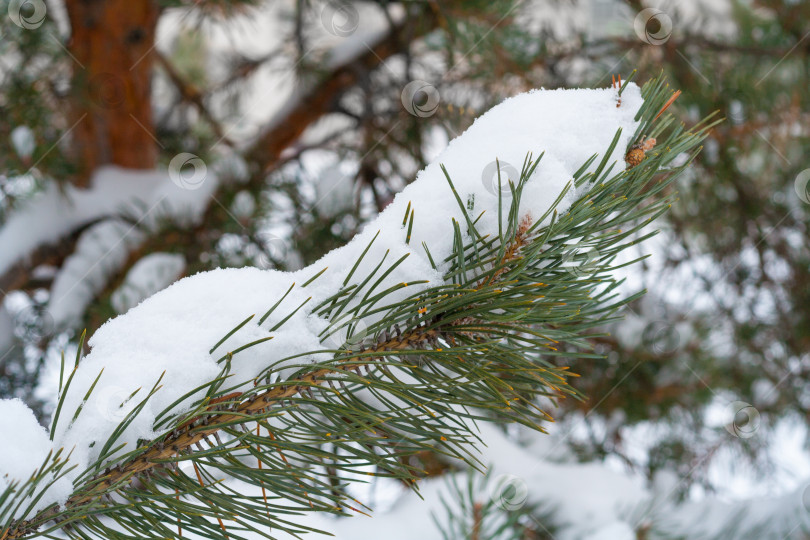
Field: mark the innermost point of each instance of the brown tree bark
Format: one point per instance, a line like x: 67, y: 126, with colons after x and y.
x: 112, y: 42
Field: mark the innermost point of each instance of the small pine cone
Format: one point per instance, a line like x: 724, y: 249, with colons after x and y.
x: 634, y: 157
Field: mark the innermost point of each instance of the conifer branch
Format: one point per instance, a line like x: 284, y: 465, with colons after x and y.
x: 478, y: 347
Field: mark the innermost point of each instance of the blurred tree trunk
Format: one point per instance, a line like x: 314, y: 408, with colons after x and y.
x: 112, y: 42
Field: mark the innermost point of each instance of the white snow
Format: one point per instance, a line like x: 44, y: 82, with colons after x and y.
x: 334, y: 189
x: 243, y: 205
x: 149, y: 275
x: 6, y: 331
x: 144, y: 196
x: 29, y: 442
x: 22, y: 139
x: 587, y: 501
x: 100, y: 252
x: 171, y: 332
x: 343, y: 48
x: 617, y: 530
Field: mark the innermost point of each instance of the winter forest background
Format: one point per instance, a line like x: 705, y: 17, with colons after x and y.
x: 286, y: 126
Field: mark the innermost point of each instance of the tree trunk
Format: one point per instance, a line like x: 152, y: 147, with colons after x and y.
x: 112, y: 43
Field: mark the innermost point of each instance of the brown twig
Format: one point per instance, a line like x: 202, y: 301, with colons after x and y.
x: 477, y: 519
x: 511, y: 252
x: 323, y: 97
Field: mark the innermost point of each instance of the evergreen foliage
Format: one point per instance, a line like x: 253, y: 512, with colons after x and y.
x: 482, y: 347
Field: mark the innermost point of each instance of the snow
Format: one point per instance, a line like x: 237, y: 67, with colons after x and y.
x: 262, y: 33
x: 171, y: 333
x: 231, y: 167
x: 149, y: 275
x: 334, y: 189
x: 243, y: 205
x: 353, y: 41
x: 173, y: 330
x: 144, y: 196
x: 585, y: 496
x: 6, y: 331
x: 23, y: 141
x: 587, y: 501
x: 100, y: 252
x: 30, y: 442
x: 783, y: 517
x: 617, y: 530
x: 26, y: 451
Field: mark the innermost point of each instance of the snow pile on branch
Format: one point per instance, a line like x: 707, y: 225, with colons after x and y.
x: 25, y: 445
x: 118, y: 204
x: 171, y: 333
x: 149, y: 275
x: 100, y: 251
x: 58, y: 210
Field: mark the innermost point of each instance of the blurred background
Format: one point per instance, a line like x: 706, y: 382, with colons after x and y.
x: 289, y: 124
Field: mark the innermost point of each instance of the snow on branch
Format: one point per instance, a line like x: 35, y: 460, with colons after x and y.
x: 448, y: 300
x: 111, y: 215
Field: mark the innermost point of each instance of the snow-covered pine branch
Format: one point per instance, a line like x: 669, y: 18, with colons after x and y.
x: 108, y: 220
x: 459, y: 302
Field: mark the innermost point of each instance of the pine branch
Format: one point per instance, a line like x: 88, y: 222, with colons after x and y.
x: 423, y: 370
x: 225, y: 410
x: 480, y: 510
